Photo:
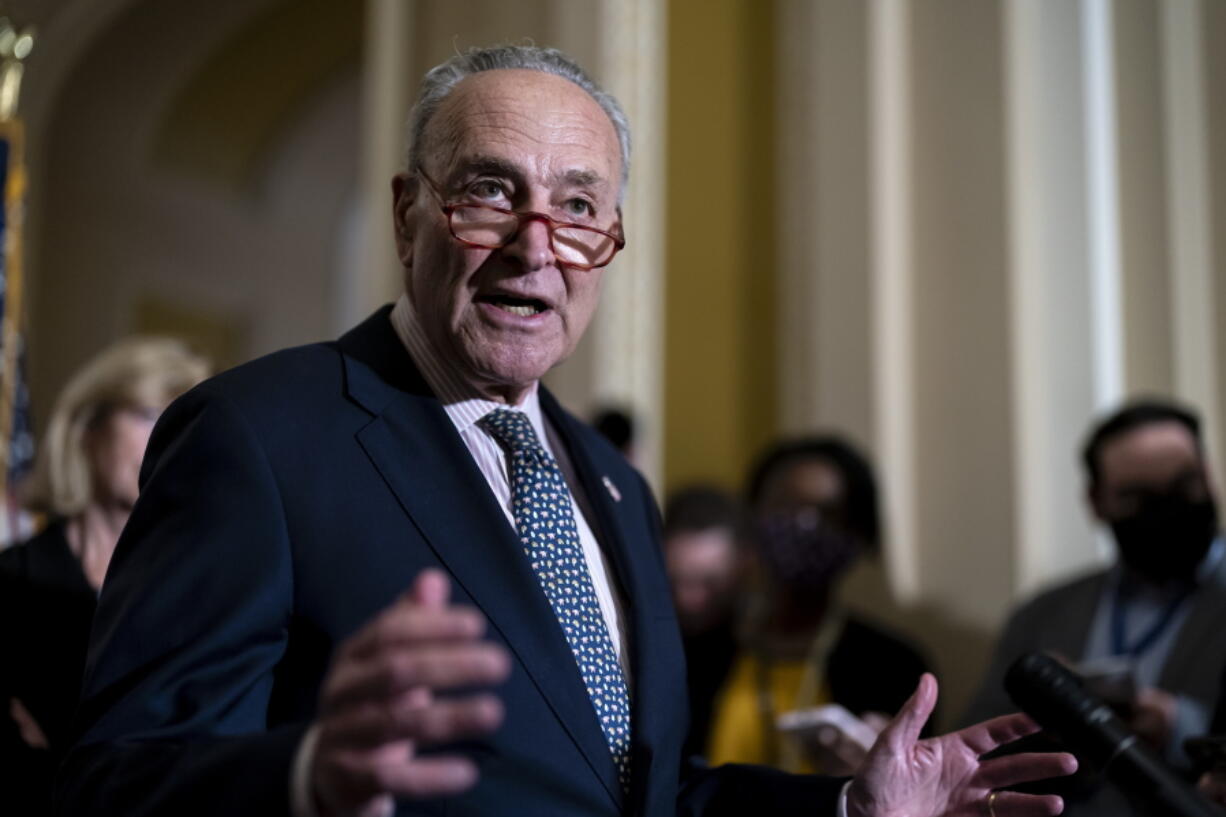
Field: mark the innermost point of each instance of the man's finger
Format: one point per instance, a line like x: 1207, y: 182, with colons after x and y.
x: 905, y: 729
x: 1002, y: 772
x: 431, y: 588
x: 1213, y: 785
x: 27, y: 726
x: 438, y: 776
x: 991, y: 735
x: 406, y: 624
x: 435, y: 667
x: 442, y: 721
x: 1014, y: 804
x: 361, y: 777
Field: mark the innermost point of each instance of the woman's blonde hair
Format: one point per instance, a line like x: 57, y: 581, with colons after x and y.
x: 134, y: 372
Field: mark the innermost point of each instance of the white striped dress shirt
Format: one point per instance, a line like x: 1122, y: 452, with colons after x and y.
x: 465, y: 410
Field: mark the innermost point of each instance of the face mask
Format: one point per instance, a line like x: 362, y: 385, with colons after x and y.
x: 1167, y: 537
x: 802, y: 551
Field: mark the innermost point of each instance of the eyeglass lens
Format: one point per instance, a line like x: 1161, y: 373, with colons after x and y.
x: 490, y: 228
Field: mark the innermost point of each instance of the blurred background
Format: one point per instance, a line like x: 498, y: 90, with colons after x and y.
x: 952, y: 230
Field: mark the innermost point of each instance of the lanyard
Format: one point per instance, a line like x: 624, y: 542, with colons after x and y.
x: 1119, y: 642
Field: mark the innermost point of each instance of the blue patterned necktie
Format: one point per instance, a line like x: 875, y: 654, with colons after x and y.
x: 541, y: 506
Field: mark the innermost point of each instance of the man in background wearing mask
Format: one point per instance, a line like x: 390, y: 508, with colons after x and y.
x: 815, y: 511
x: 1146, y: 632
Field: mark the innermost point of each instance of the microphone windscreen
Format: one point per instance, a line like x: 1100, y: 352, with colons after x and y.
x: 1057, y: 699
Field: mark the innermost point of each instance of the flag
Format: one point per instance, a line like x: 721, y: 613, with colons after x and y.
x: 16, y: 429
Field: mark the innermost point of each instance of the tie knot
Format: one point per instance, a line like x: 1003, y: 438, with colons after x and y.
x: 511, y: 428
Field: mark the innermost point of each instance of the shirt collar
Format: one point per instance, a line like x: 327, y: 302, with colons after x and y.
x: 457, y: 396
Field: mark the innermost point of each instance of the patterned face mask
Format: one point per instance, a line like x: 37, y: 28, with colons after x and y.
x: 802, y: 550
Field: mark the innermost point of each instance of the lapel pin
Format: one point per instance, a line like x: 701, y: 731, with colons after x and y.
x: 613, y: 492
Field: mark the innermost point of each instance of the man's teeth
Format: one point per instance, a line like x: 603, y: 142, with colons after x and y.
x: 526, y: 310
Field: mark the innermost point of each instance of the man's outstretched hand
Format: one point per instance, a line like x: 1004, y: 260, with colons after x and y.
x: 381, y: 704
x: 904, y: 776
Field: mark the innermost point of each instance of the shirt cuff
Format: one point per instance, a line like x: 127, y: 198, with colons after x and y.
x: 301, y: 801
x: 842, y: 809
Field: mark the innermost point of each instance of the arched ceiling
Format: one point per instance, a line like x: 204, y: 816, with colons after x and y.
x: 31, y: 12
x: 232, y: 108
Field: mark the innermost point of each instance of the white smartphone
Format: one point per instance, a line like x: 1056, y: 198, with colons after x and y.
x: 808, y: 722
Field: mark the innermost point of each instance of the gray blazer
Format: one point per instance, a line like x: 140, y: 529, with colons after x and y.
x: 1059, y: 621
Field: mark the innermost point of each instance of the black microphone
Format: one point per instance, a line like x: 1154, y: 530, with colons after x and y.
x: 1058, y: 700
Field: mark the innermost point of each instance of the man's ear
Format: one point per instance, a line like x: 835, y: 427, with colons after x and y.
x: 404, y: 193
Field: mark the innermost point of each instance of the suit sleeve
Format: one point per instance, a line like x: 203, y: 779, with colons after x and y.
x: 191, y: 625
x: 736, y: 790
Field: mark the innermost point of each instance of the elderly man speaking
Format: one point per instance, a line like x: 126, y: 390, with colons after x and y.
x: 391, y: 574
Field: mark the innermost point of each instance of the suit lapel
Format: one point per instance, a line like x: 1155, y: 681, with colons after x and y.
x: 1070, y: 633
x: 624, y: 544
x: 416, y: 449
x: 609, y: 524
x: 1202, y: 626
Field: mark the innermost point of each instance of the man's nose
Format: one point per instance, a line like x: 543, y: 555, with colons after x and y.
x: 531, y: 246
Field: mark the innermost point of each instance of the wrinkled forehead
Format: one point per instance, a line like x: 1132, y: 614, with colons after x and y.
x: 541, y: 122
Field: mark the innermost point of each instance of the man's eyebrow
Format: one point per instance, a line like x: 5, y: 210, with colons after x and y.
x: 582, y: 178
x: 488, y: 165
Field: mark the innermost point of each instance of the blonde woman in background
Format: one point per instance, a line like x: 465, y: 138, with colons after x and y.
x: 86, y: 482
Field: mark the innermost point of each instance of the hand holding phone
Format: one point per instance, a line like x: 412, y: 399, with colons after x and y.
x: 1208, y: 756
x: 1112, y: 678
x: 835, y: 739
x: 1207, y: 752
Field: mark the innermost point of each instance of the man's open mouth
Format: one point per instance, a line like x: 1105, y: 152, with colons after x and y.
x: 524, y: 307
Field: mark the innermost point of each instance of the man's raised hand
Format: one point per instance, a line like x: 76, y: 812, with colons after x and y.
x: 380, y: 704
x: 947, y: 776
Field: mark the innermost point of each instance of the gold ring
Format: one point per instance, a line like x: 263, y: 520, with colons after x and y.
x: 992, y: 803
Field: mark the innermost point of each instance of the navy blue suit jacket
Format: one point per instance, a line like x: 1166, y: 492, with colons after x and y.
x: 286, y: 502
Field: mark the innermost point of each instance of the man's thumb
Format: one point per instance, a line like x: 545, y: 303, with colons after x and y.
x: 905, y: 729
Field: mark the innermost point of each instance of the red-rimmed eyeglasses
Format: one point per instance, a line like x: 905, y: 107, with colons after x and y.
x: 491, y: 228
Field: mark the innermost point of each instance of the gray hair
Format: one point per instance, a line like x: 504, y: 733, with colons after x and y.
x: 442, y: 79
